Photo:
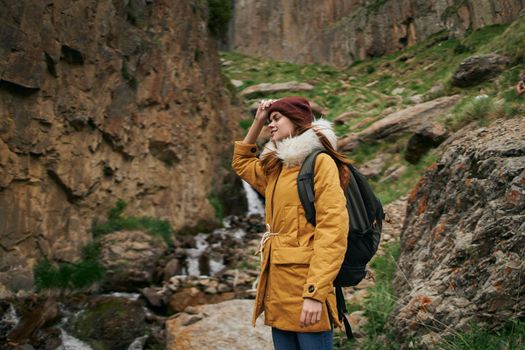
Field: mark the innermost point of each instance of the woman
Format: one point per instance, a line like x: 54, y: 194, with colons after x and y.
x: 299, y: 261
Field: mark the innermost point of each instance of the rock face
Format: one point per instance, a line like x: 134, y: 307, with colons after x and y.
x: 463, y: 239
x: 339, y: 32
x: 101, y: 101
x: 221, y: 326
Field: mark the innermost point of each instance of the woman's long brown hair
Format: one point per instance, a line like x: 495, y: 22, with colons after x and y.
x: 271, y: 164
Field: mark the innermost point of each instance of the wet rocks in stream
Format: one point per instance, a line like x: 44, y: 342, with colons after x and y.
x: 110, y: 323
x: 209, y: 267
x: 129, y: 258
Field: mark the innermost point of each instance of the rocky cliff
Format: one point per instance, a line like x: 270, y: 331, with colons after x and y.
x: 463, y: 240
x: 339, y: 32
x: 100, y: 101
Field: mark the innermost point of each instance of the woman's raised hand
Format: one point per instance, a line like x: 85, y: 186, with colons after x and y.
x: 260, y: 118
x: 262, y: 110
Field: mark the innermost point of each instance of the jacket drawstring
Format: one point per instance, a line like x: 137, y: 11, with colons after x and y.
x: 265, y: 237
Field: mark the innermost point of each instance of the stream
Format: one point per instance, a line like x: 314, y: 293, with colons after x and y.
x: 206, y: 258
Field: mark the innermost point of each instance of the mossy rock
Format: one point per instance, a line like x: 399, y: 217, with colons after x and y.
x: 110, y: 323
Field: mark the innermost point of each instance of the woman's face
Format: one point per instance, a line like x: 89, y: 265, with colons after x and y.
x: 280, y: 127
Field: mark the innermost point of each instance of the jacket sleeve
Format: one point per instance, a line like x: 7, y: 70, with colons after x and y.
x: 330, y: 235
x: 248, y: 166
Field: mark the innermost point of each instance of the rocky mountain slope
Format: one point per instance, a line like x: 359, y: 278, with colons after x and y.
x: 339, y: 32
x: 103, y: 101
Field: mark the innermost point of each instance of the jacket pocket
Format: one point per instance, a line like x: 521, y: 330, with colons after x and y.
x: 290, y: 226
x: 292, y: 255
x: 288, y: 275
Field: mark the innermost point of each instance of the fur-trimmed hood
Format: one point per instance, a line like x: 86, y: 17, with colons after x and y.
x: 293, y: 150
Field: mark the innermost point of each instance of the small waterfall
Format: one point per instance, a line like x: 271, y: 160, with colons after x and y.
x: 203, y: 260
x: 195, y: 254
x: 255, y: 205
x: 9, y: 320
x: 71, y: 343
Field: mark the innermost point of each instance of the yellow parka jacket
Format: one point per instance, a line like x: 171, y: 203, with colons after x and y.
x: 298, y: 260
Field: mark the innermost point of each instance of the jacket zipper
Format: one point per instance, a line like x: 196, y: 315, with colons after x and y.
x: 268, y: 281
x: 273, y: 194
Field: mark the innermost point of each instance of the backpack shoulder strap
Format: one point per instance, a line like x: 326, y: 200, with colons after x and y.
x: 341, y: 311
x: 305, y: 185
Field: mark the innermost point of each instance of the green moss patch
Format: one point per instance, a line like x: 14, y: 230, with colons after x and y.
x: 117, y: 222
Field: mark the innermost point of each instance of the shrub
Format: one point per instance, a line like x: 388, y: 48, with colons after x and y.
x: 70, y: 276
x: 245, y: 124
x: 220, y: 12
x: 460, y: 48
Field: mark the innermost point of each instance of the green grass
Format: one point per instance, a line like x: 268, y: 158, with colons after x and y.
x: 116, y: 222
x: 217, y: 206
x: 382, y: 296
x: 510, y: 42
x: 365, y: 152
x: 511, y: 337
x: 416, y: 69
x: 70, y: 276
x: 375, y: 5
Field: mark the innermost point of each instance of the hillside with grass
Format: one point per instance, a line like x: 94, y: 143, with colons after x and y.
x: 372, y: 90
x: 375, y: 88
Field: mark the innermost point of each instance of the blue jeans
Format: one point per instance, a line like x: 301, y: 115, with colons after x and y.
x: 286, y: 340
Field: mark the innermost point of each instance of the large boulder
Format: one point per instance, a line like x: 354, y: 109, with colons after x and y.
x: 267, y: 88
x: 400, y: 123
x: 374, y: 167
x: 130, y: 258
x: 479, y: 68
x: 317, y: 109
x: 221, y: 326
x: 463, y: 239
x: 28, y: 328
x: 425, y: 138
x: 344, y: 117
x: 110, y: 323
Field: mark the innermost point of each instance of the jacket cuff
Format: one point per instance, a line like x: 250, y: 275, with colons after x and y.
x: 245, y: 149
x: 311, y: 291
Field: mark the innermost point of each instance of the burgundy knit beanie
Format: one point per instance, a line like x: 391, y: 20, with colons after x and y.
x: 295, y: 108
